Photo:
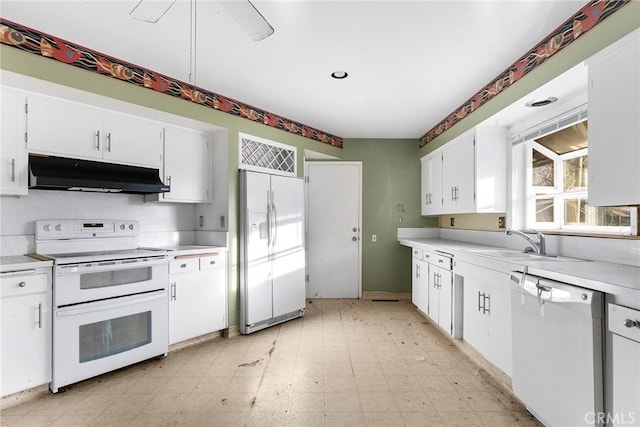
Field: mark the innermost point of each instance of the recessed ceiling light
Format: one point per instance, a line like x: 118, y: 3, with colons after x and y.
x: 339, y: 75
x: 541, y: 102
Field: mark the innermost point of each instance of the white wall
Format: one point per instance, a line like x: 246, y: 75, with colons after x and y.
x: 160, y: 223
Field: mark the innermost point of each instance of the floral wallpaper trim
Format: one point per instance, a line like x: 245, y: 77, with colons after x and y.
x: 586, y: 18
x: 33, y: 41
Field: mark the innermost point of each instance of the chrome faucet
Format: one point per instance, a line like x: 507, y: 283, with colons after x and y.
x: 539, y: 247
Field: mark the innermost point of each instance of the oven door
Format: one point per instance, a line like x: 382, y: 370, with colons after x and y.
x: 94, y: 338
x: 86, y: 282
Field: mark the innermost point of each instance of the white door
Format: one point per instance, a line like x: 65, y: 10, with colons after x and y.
x: 288, y: 265
x: 186, y: 165
x: 334, y: 224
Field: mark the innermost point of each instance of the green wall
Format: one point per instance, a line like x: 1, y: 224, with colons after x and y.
x: 390, y: 177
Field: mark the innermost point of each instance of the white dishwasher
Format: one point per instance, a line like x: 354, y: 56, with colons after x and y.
x: 557, y: 350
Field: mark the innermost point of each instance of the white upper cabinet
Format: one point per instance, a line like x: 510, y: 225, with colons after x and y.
x: 468, y: 175
x: 187, y: 166
x: 614, y: 124
x: 432, y: 184
x: 132, y: 140
x: 68, y: 129
x: 13, y: 148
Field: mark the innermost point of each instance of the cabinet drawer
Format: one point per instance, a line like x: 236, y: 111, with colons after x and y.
x: 211, y: 262
x: 21, y: 285
x: 624, y: 321
x: 184, y: 265
x: 417, y: 253
x: 441, y: 261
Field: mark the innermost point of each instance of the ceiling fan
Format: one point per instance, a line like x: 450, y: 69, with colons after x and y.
x: 242, y: 11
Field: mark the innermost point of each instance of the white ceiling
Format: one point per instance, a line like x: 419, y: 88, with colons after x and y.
x: 410, y: 63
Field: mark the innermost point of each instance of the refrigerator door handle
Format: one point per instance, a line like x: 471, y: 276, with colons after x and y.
x: 269, y: 219
x: 275, y: 222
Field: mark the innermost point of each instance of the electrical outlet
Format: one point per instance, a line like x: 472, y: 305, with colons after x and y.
x: 502, y: 222
x: 223, y: 222
x: 374, y: 238
x: 452, y: 222
x: 201, y: 220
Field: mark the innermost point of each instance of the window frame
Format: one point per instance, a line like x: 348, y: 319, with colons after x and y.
x: 559, y: 195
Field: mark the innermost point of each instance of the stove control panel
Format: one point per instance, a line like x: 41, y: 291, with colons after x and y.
x: 86, y: 229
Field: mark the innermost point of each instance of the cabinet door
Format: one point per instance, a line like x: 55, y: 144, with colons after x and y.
x: 132, y: 140
x: 474, y: 323
x: 614, y: 128
x: 465, y: 173
x: 449, y: 180
x: 420, y: 284
x: 445, y: 303
x: 13, y: 148
x: 190, y: 306
x: 26, y: 342
x: 434, y: 293
x: 214, y: 270
x: 186, y: 165
x: 64, y: 129
x: 499, y: 320
x: 425, y: 185
x: 432, y: 184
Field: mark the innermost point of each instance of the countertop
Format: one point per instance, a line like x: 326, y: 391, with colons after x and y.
x: 181, y: 250
x: 21, y: 262
x: 615, y: 279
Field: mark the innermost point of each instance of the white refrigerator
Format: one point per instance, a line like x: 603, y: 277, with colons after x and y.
x: 272, y: 257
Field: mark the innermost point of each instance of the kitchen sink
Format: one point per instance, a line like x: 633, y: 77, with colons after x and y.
x: 514, y: 255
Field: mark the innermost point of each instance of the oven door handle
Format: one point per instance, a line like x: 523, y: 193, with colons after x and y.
x: 107, y: 265
x: 93, y: 307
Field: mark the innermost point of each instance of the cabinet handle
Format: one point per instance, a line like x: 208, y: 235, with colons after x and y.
x: 630, y: 323
x: 13, y: 170
x: 109, y: 141
x: 453, y: 192
x: 40, y: 316
x: 98, y: 140
x: 212, y: 262
x: 487, y: 304
x: 22, y: 284
x: 183, y: 265
x: 417, y: 271
x: 480, y: 301
x: 173, y: 291
x: 457, y: 193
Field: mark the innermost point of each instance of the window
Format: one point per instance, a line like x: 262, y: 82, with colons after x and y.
x: 557, y: 184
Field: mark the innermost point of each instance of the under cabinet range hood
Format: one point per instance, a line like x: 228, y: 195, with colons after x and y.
x: 61, y: 173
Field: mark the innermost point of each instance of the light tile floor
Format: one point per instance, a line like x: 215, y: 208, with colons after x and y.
x: 346, y: 363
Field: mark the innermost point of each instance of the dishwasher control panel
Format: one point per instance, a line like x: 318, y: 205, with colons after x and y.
x: 624, y: 321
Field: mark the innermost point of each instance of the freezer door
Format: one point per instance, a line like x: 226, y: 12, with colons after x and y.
x: 256, y: 266
x: 288, y: 256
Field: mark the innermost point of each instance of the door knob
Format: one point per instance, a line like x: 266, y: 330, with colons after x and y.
x: 355, y: 229
x: 354, y: 238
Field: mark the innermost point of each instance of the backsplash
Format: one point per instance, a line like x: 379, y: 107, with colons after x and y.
x: 160, y: 223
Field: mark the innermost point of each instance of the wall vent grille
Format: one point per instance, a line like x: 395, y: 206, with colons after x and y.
x: 262, y: 155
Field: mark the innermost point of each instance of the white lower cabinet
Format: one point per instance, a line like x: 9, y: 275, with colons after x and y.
x: 440, y: 285
x: 420, y: 281
x: 487, y: 313
x: 197, y: 296
x: 25, y: 343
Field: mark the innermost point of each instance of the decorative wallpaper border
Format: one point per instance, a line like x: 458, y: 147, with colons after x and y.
x: 586, y: 18
x: 48, y: 46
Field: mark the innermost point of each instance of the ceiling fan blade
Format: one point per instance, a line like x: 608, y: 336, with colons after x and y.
x: 151, y: 10
x: 249, y: 18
